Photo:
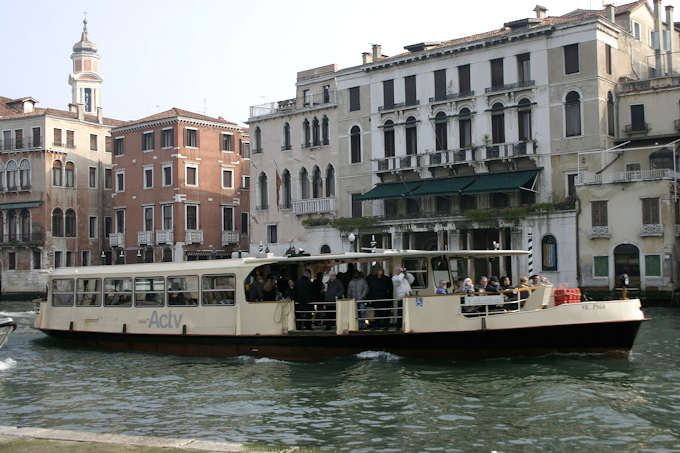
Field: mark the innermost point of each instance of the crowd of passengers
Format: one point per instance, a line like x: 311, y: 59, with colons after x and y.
x: 377, y: 291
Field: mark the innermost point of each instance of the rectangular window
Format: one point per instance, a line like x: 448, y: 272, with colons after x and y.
x: 650, y: 211
x: 120, y: 220
x: 326, y: 94
x: 92, y: 227
x: 107, y: 226
x: 356, y: 206
x: 89, y: 292
x: 118, y: 146
x: 227, y: 142
x: 354, y: 101
x: 148, y: 177
x: 108, y: 144
x: 227, y: 179
x: 147, y: 141
x: 84, y: 258
x: 118, y: 292
x: 227, y: 218
x: 410, y: 90
x: 167, y: 175
x: 272, y: 234
x: 244, y: 222
x: 62, y: 292
x: 191, y: 138
x: 497, y: 73
x: 600, y: 266
x: 167, y: 138
x: 70, y: 139
x: 571, y: 59
x: 599, y: 213
x: 149, y: 291
x: 388, y: 94
x: 93, y: 142
x: 57, y: 259
x: 633, y: 170
x: 464, y: 78
x: 218, y: 289
x: 653, y: 265
x: 244, y: 149
x: 440, y: 84
x: 523, y: 68
x: 120, y: 181
x: 637, y: 31
x: 12, y: 261
x: 167, y: 217
x: 36, y: 137
x: 69, y: 259
x: 608, y: 58
x: 637, y: 117
x: 465, y: 131
x: 57, y: 137
x: 92, y: 177
x: 306, y: 98
x: 108, y: 178
x: 183, y: 291
x: 192, y: 217
x: 148, y: 218
x: 245, y: 184
x: 19, y: 138
x: 191, y: 175
x: 418, y: 268
x: 37, y: 259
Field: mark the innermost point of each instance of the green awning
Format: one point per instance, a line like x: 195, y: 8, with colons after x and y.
x: 390, y: 190
x: 443, y: 186
x: 21, y: 205
x: 498, y: 182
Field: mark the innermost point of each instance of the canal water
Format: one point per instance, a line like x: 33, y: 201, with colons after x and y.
x: 369, y: 402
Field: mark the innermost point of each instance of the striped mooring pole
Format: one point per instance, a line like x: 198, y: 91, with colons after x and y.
x: 530, y: 241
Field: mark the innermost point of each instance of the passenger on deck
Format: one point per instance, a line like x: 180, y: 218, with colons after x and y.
x: 523, y: 295
x: 289, y: 290
x: 402, y: 281
x: 357, y: 290
x: 268, y: 290
x: 483, y: 282
x: 442, y: 288
x: 304, y: 296
x: 256, y: 291
x: 380, y: 290
x: 467, y: 287
x: 535, y: 280
x: 334, y: 291
x: 318, y: 286
x: 494, y: 286
x: 506, y: 285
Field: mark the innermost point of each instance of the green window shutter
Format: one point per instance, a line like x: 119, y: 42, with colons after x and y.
x: 601, y: 264
x: 653, y: 265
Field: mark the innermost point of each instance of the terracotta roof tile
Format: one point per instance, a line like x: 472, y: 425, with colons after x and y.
x: 175, y: 112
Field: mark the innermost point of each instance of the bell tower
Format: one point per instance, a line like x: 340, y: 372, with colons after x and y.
x: 85, y: 80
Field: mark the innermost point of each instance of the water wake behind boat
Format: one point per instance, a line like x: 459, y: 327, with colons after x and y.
x: 378, y: 355
x: 7, y: 364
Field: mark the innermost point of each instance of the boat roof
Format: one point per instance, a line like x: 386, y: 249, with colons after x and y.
x: 207, y: 266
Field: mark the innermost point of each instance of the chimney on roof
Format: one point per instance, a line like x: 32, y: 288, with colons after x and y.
x: 657, y: 45
x: 669, y: 43
x: 73, y: 108
x: 541, y: 12
x: 377, y: 53
x: 100, y: 115
x: 80, y: 109
x: 366, y: 58
x: 611, y: 15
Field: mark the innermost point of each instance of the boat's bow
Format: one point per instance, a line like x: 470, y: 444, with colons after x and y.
x: 7, y: 326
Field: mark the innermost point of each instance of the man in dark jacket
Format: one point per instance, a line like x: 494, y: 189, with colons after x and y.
x: 380, y: 289
x: 304, y: 296
x: 334, y: 290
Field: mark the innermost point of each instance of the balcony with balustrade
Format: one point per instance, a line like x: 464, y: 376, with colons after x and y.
x: 586, y: 178
x: 460, y: 96
x: 25, y: 143
x: 651, y: 230
x: 117, y: 239
x: 230, y: 238
x: 449, y: 157
x: 509, y: 87
x: 288, y: 106
x: 165, y: 237
x: 22, y: 239
x: 399, y: 163
x: 194, y: 237
x: 508, y: 150
x: 314, y: 206
x: 144, y: 238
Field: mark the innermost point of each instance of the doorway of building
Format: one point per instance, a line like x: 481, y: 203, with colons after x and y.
x: 627, y: 261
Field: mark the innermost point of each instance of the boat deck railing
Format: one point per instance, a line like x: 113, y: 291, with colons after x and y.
x: 382, y: 314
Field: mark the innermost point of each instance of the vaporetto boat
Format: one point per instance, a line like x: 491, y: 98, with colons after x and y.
x: 202, y: 307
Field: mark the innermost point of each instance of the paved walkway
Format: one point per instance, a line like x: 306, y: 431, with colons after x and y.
x: 20, y: 440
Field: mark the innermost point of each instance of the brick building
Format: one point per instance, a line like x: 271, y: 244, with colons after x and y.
x: 181, y: 188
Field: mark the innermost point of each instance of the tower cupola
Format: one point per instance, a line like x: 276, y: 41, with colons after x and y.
x: 85, y: 80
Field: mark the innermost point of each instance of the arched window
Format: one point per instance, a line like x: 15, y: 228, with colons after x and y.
x: 287, y: 195
x: 325, y: 249
x: 304, y: 184
x: 25, y: 225
x: 69, y: 174
x: 662, y: 158
x: 57, y: 223
x: 572, y: 114
x: 25, y: 174
x: 465, y: 127
x: 258, y: 140
x: 549, y: 253
x: 324, y: 130
x: 12, y: 224
x: 524, y: 120
x: 317, y: 183
x: 411, y: 136
x: 316, y: 140
x: 70, y: 223
x: 355, y: 144
x: 610, y: 115
x: 262, y: 200
x: 497, y: 123
x: 330, y: 181
x: 286, y: 136
x: 56, y: 173
x: 306, y: 133
x: 2, y: 175
x: 388, y: 134
x: 441, y: 132
x: 11, y: 175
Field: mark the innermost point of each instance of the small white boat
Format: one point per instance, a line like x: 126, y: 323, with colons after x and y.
x: 7, y: 326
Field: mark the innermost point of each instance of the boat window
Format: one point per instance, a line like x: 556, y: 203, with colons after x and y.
x: 149, y: 291
x: 62, y: 292
x: 218, y: 289
x: 418, y: 268
x: 89, y: 292
x: 183, y: 291
x: 440, y: 271
x: 118, y: 292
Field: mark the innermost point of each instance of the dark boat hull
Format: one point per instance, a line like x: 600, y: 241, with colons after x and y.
x: 611, y: 337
